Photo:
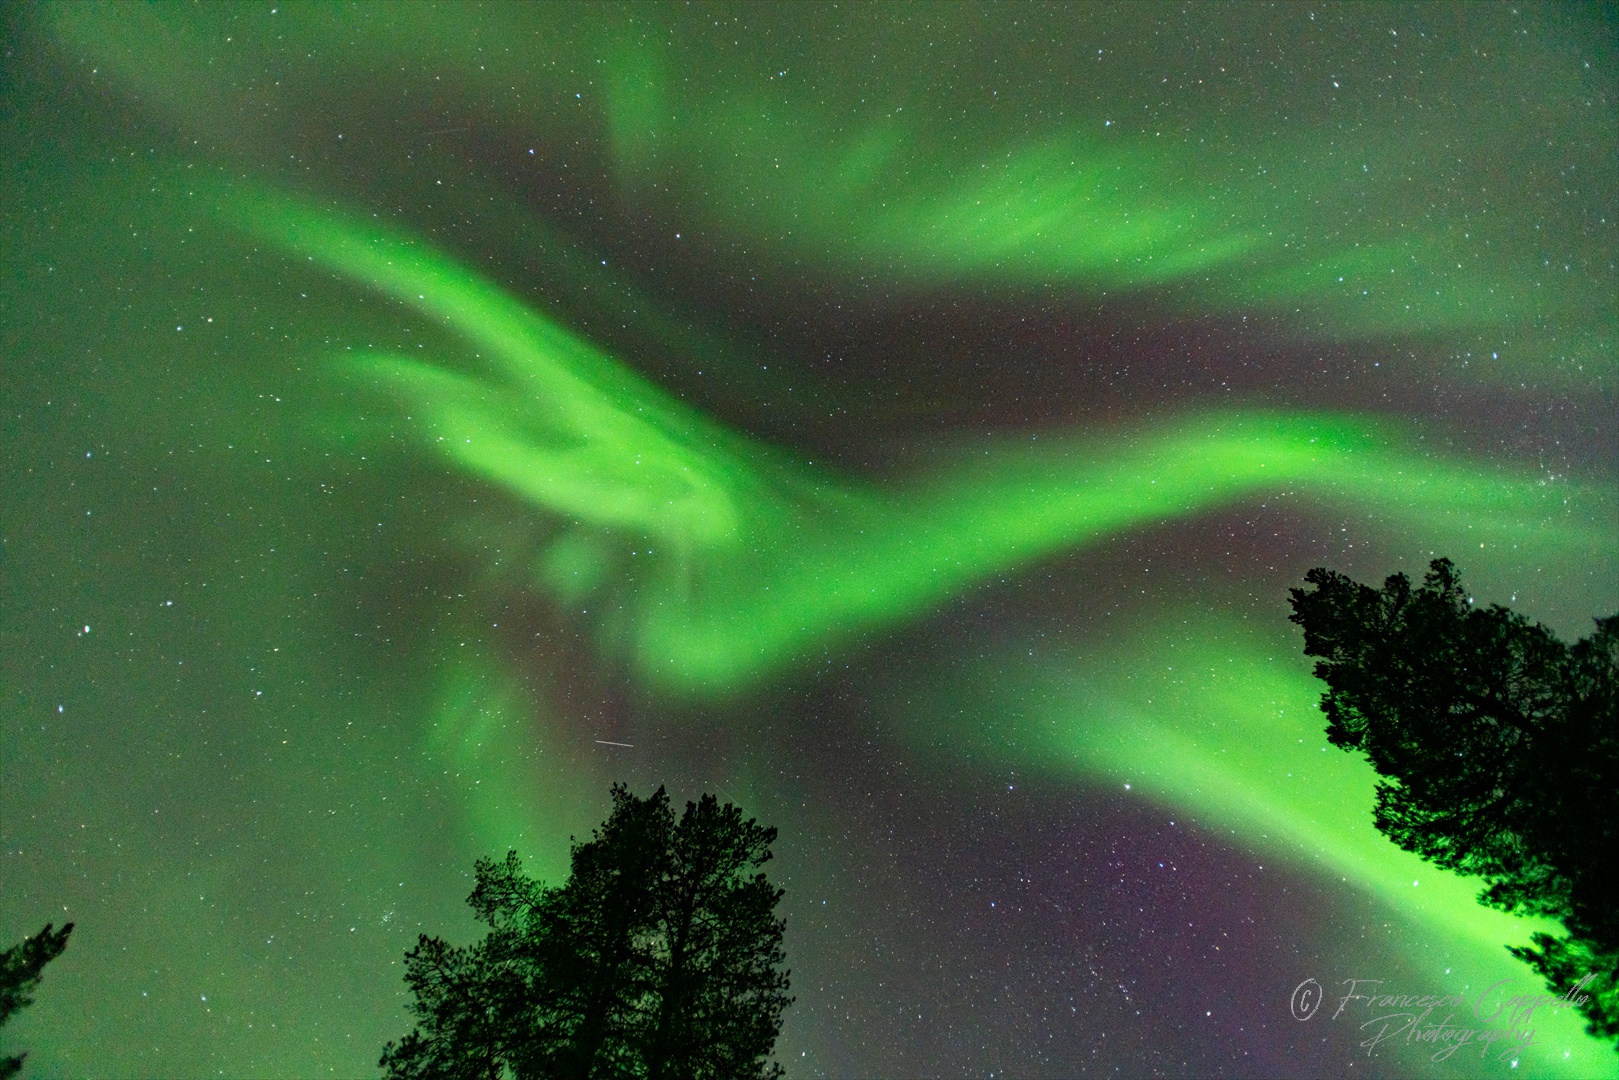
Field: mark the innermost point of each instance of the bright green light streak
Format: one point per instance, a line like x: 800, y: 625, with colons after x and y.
x: 874, y: 559
x: 1069, y: 208
x: 1109, y: 204
x: 1202, y: 713
x: 1338, y: 233
x: 1120, y: 213
x: 569, y: 429
x: 744, y: 561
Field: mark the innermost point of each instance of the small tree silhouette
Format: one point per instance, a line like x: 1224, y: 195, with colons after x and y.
x: 21, y: 967
x: 660, y: 957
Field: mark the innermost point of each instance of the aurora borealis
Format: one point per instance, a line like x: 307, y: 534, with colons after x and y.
x: 903, y: 420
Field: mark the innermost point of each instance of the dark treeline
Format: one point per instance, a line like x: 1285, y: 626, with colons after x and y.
x: 1499, y: 749
x: 659, y: 958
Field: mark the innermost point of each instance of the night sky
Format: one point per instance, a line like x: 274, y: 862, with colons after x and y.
x: 904, y: 421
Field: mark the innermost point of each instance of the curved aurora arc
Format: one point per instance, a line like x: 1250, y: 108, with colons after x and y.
x: 757, y: 561
x: 756, y: 558
x: 1318, y: 235
x: 1455, y: 239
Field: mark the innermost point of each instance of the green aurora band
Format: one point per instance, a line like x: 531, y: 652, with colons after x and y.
x: 712, y: 564
x: 1222, y: 725
x: 860, y: 166
x: 748, y: 560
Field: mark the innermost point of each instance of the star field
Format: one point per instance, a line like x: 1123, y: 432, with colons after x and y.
x: 903, y: 420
